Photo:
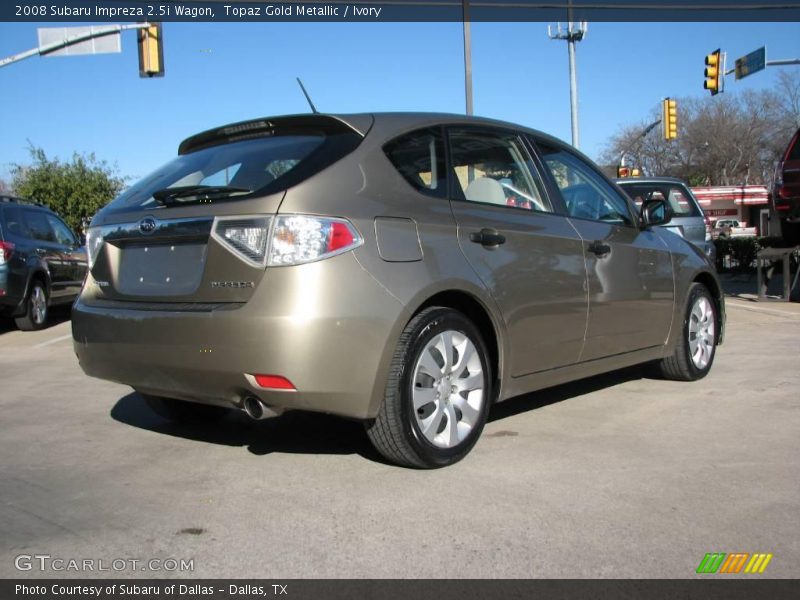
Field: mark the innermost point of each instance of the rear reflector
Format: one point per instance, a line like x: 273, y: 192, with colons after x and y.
x: 275, y: 382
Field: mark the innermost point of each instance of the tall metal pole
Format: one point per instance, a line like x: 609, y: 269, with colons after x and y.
x: 573, y: 89
x: 574, y: 33
x: 467, y: 58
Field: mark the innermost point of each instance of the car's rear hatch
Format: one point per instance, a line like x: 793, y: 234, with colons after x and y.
x: 196, y: 231
x: 687, y: 220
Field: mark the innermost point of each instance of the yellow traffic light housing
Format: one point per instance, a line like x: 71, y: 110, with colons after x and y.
x: 669, y: 119
x: 635, y: 172
x: 151, y: 51
x: 623, y: 172
x: 713, y: 72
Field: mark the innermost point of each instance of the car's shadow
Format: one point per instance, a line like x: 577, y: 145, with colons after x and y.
x: 58, y: 314
x: 298, y: 432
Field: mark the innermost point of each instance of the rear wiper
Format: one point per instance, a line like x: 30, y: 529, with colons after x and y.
x: 189, y: 193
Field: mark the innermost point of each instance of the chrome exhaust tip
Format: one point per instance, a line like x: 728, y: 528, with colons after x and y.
x: 257, y: 410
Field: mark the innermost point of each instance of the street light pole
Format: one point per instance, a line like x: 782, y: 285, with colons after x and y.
x: 573, y: 34
x: 467, y: 57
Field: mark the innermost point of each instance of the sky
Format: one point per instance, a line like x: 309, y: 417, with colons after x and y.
x: 218, y: 73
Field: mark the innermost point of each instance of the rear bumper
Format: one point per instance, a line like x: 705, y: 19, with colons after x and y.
x: 11, y: 297
x: 332, y: 340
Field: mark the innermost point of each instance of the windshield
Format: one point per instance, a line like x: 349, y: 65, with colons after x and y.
x: 241, y: 169
x: 678, y: 197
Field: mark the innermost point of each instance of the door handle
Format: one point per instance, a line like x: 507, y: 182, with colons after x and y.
x: 599, y: 248
x: 487, y: 237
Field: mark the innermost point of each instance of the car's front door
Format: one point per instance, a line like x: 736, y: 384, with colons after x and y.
x: 631, y: 288
x: 72, y: 255
x: 527, y: 255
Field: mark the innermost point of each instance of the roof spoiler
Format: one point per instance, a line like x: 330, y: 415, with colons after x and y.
x: 269, y: 126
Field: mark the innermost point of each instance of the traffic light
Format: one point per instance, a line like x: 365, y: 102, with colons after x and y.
x: 669, y: 119
x: 151, y: 51
x: 713, y: 72
x: 635, y: 172
x: 623, y: 172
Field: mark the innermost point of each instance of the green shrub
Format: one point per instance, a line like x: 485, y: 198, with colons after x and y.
x: 740, y: 253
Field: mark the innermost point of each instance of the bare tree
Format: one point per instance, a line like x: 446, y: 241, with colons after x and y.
x: 730, y: 139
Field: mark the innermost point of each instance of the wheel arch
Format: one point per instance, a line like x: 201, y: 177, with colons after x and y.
x: 713, y: 286
x: 480, y: 315
x: 38, y: 274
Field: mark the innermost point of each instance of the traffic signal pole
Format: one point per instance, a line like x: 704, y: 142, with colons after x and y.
x: 70, y: 41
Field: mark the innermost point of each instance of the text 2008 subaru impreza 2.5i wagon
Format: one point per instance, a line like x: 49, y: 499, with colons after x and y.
x: 407, y: 270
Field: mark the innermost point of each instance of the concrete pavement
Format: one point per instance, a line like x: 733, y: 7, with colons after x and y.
x: 615, y: 476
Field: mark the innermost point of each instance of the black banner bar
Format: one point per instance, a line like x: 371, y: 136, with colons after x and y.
x: 440, y: 589
x: 398, y: 10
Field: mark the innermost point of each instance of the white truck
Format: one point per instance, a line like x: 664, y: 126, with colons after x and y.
x: 728, y: 228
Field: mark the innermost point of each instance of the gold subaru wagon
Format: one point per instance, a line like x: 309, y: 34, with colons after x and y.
x: 405, y: 270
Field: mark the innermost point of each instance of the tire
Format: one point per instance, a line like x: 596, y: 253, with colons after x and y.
x: 36, y: 308
x: 179, y: 411
x: 434, y: 409
x: 696, y: 348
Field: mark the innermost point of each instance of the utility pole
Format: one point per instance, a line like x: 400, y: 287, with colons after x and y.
x: 573, y: 34
x: 467, y: 57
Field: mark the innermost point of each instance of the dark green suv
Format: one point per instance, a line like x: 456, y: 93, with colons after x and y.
x: 42, y: 262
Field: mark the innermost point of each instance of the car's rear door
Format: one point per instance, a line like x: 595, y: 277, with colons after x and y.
x: 49, y: 251
x: 528, y: 256
x: 631, y: 288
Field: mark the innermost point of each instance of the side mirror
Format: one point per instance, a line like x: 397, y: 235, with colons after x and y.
x: 655, y: 212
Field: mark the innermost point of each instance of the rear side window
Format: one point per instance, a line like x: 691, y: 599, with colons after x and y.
x: 419, y: 158
x: 258, y: 165
x: 494, y: 168
x: 676, y: 196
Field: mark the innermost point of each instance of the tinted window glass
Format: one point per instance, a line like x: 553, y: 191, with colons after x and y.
x: 419, y: 157
x: 676, y: 196
x: 585, y: 192
x: 62, y: 233
x: 794, y: 152
x: 13, y: 221
x: 259, y: 166
x: 38, y: 227
x: 496, y: 169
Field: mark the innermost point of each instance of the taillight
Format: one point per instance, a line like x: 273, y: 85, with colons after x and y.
x: 246, y: 236
x: 298, y: 239
x: 94, y: 241
x: 6, y: 250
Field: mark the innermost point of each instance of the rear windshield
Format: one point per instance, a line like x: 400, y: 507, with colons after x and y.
x: 237, y: 170
x: 678, y: 197
x: 794, y: 151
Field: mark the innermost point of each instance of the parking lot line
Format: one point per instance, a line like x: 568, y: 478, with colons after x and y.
x: 758, y: 309
x: 53, y: 341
